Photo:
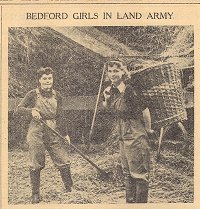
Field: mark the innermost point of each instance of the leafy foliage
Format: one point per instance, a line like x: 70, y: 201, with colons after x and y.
x: 149, y: 40
x: 32, y: 48
x: 78, y: 70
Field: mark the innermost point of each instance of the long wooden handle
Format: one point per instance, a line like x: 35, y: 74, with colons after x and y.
x: 160, y: 142
x: 77, y: 150
x: 96, y: 105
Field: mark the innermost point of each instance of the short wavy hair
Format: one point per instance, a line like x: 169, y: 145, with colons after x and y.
x: 120, y: 64
x: 44, y: 70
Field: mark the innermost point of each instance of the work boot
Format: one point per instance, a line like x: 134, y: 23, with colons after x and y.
x: 66, y: 178
x: 35, y: 185
x: 141, y: 191
x: 130, y: 186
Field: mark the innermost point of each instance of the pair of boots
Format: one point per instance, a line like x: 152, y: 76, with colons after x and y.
x: 35, y: 182
x: 136, y: 190
x: 66, y: 178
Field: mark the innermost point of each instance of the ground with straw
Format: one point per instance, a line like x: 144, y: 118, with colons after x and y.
x: 171, y: 178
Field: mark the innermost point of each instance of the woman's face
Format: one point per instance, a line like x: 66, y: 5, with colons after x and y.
x: 115, y: 74
x: 46, y: 81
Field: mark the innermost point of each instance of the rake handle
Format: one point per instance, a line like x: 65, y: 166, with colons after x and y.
x: 77, y: 150
x: 96, y: 106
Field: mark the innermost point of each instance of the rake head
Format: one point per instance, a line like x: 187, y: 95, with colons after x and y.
x: 104, y: 176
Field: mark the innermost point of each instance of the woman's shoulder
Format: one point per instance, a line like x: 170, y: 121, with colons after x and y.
x: 31, y: 93
x: 130, y: 90
x: 58, y: 94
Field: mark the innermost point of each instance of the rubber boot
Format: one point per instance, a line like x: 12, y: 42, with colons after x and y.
x: 141, y: 191
x: 35, y: 185
x: 130, y: 186
x: 66, y: 178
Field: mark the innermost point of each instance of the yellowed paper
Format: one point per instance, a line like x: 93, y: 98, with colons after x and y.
x: 79, y: 22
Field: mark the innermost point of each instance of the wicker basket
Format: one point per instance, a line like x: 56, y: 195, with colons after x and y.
x: 161, y: 88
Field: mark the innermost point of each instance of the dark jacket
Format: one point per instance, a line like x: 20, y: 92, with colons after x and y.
x: 134, y: 103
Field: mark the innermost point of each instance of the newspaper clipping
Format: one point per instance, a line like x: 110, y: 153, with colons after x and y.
x: 98, y: 104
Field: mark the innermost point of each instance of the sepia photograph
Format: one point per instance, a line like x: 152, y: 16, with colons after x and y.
x: 101, y: 114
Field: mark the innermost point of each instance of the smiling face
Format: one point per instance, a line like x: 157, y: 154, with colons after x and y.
x: 115, y: 74
x: 46, y: 81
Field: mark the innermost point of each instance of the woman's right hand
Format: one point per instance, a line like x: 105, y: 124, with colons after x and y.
x: 106, y: 93
x: 67, y: 138
x: 35, y: 114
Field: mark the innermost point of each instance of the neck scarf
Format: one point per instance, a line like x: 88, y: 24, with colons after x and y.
x: 46, y: 93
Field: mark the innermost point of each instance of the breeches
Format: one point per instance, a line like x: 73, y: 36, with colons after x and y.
x: 40, y: 139
x: 135, y: 158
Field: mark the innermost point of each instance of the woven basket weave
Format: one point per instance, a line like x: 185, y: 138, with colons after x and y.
x: 161, y: 88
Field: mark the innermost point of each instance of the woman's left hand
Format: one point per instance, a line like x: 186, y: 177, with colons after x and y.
x: 150, y: 131
x: 67, y: 138
x: 151, y: 134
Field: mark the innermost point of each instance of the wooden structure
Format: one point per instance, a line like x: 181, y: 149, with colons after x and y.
x: 88, y: 102
x: 69, y: 103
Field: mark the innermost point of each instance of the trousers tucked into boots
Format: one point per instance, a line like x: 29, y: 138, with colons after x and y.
x: 35, y: 185
x: 66, y: 177
x: 130, y: 185
x: 35, y: 182
x: 141, y: 191
x: 136, y: 190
